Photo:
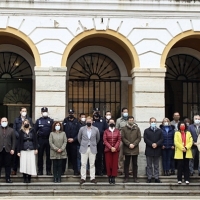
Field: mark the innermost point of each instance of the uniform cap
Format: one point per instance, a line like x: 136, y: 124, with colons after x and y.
x: 71, y: 111
x: 44, y: 109
x: 96, y: 109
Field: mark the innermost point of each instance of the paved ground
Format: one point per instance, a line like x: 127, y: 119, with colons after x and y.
x: 98, y: 198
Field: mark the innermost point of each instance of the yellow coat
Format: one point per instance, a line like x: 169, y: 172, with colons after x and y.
x: 179, y: 145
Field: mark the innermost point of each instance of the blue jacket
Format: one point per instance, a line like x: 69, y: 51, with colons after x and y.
x: 192, y: 130
x: 168, y: 141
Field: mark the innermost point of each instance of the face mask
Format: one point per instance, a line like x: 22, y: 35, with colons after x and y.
x: 23, y: 114
x: 26, y: 125
x: 71, y: 116
x: 88, y: 124
x: 196, y: 121
x: 166, y: 123
x: 125, y: 114
x: 187, y: 124
x: 83, y: 119
x: 112, y: 125
x: 108, y: 117
x: 153, y: 124
x: 130, y: 123
x: 45, y: 114
x: 182, y: 127
x: 57, y: 128
x: 4, y: 124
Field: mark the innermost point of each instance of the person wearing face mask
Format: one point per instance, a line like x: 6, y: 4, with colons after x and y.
x: 131, y: 137
x: 71, y: 127
x: 168, y: 144
x: 27, y: 150
x: 183, y: 142
x: 108, y: 116
x: 88, y: 137
x: 101, y: 124
x: 17, y: 126
x: 187, y: 121
x: 194, y: 129
x: 153, y: 137
x: 7, y: 147
x: 111, y: 139
x: 120, y: 123
x: 58, y: 142
x: 43, y: 127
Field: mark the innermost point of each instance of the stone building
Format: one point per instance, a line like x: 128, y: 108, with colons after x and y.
x: 80, y: 54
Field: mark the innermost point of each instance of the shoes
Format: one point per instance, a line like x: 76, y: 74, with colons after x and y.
x: 13, y: 172
x: 125, y: 180
x: 113, y: 180
x: 167, y: 173
x: 82, y: 181
x: 158, y: 181
x: 179, y: 182
x: 55, y: 180
x: 110, y: 179
x: 187, y: 182
x: 8, y: 181
x: 40, y: 173
x: 48, y: 173
x: 93, y: 181
x: 135, y: 180
x: 59, y: 180
x: 172, y: 172
x: 148, y: 180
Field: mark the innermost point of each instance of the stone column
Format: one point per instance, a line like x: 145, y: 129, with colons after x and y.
x: 50, y: 91
x: 148, y: 101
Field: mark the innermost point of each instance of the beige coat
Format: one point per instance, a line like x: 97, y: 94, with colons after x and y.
x: 58, y: 141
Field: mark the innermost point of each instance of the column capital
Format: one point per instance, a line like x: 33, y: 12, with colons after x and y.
x: 148, y: 72
x: 46, y: 71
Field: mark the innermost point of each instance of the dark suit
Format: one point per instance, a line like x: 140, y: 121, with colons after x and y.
x: 7, y: 143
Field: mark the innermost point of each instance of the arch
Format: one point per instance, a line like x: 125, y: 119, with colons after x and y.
x: 102, y: 50
x: 117, y: 37
x: 21, y: 36
x: 173, y: 42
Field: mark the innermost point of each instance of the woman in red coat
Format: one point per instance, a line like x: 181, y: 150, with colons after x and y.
x: 111, y: 138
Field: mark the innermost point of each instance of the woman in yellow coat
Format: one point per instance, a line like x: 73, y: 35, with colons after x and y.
x: 183, y: 142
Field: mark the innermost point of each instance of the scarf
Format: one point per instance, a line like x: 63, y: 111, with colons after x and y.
x: 183, y: 136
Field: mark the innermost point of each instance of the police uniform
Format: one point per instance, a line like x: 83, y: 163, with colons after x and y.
x: 43, y: 127
x: 71, y: 128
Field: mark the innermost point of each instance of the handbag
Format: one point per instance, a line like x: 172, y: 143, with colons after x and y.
x: 198, y: 142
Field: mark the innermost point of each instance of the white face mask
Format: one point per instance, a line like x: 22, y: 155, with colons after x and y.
x: 23, y: 114
x: 108, y: 117
x: 196, y: 121
x: 57, y: 128
x: 83, y: 119
x: 166, y: 123
x: 4, y: 124
x: 125, y: 114
x: 44, y: 114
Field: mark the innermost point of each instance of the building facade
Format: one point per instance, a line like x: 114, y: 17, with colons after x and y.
x: 144, y: 55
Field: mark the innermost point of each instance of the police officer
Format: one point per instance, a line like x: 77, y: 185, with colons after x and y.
x: 17, y: 126
x: 43, y: 127
x: 101, y: 124
x: 71, y: 128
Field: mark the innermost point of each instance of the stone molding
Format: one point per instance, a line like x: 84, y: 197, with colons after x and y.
x: 148, y: 72
x: 50, y: 71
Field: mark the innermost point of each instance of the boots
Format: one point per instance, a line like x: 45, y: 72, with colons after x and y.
x: 25, y: 178
x: 110, y: 179
x: 113, y: 180
x: 29, y: 179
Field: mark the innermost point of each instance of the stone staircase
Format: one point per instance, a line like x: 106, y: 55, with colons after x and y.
x: 43, y: 186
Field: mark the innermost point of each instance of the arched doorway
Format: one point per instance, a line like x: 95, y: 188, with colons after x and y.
x: 94, y: 81
x: 182, y: 85
x: 15, y: 84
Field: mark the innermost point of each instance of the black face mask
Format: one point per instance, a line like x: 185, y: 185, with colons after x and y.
x: 112, y: 125
x: 26, y: 125
x: 71, y: 116
x: 88, y: 124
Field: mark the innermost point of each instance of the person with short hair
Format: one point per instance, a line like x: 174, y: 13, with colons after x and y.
x: 58, y: 142
x: 88, y: 137
x: 108, y: 116
x: 153, y: 137
x: 27, y: 150
x: 7, y: 147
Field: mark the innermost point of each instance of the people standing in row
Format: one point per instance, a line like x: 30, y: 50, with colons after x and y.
x: 58, y: 142
x: 194, y: 129
x: 101, y: 124
x: 27, y: 150
x: 131, y: 137
x: 120, y: 123
x: 71, y: 128
x: 88, y: 138
x: 43, y: 128
x: 168, y: 145
x: 153, y: 137
x: 17, y: 127
x: 183, y: 142
x: 7, y: 147
x: 111, y: 139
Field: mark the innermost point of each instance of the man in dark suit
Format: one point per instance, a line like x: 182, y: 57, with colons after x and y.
x: 7, y: 146
x: 153, y: 137
x: 88, y: 138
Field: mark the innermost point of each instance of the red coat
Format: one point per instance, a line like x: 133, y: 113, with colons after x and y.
x: 111, y: 139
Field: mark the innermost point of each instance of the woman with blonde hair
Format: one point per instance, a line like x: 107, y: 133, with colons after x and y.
x: 27, y: 150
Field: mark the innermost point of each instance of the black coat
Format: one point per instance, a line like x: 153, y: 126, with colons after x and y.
x: 151, y: 137
x: 101, y: 125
